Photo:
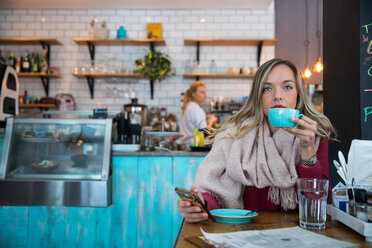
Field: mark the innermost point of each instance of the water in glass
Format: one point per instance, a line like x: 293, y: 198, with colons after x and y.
x: 312, y: 203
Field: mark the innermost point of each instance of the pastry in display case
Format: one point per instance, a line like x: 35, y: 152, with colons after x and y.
x: 56, y: 161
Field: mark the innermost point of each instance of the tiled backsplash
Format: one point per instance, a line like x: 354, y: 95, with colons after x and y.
x: 177, y: 25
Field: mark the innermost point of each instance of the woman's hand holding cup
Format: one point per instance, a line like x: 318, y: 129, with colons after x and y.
x: 306, y: 131
x: 297, y: 124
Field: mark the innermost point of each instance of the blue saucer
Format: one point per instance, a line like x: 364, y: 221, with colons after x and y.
x: 235, y: 216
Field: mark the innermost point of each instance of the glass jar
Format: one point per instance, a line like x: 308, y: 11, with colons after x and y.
x: 361, y: 204
x: 212, y: 67
x: 21, y: 99
x: 351, y: 204
x: 369, y: 206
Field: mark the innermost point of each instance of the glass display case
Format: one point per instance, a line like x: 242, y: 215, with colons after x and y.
x: 56, y: 161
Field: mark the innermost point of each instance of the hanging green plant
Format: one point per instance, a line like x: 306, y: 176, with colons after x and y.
x: 155, y: 66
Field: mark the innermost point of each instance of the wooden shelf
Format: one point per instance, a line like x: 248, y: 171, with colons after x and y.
x: 118, y: 42
x: 28, y: 41
x: 38, y: 74
x: 108, y: 75
x: 45, y: 43
x: 217, y: 76
x: 92, y: 43
x: 38, y: 105
x: 230, y: 42
x: 91, y: 76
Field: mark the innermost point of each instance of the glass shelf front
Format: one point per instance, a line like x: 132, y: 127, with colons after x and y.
x: 56, y: 151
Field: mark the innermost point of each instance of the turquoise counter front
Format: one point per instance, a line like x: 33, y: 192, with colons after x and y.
x: 143, y: 214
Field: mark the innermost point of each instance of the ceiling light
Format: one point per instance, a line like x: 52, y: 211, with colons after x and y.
x: 307, y: 72
x: 318, y: 67
x: 202, y: 19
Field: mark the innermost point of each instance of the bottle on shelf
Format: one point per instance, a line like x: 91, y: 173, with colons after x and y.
x: 26, y: 98
x: 32, y: 60
x: 21, y: 67
x: 11, y: 60
x: 103, y: 31
x: 6, y: 56
x: 21, y: 99
x: 2, y: 60
x: 36, y: 64
x: 121, y: 33
x: 26, y: 64
x: 44, y: 62
x: 212, y: 67
x: 92, y: 31
x: 18, y: 64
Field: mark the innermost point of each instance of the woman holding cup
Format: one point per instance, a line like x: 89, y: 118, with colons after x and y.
x: 254, y: 164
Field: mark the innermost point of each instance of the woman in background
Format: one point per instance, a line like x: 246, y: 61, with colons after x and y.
x: 192, y: 115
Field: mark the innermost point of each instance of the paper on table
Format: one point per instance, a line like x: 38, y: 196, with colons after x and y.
x: 283, y: 237
x: 360, y: 162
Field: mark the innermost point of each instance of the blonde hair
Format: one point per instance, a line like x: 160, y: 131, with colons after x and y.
x: 188, y: 94
x: 253, y: 106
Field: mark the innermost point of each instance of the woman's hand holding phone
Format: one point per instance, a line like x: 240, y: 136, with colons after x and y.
x: 191, y: 211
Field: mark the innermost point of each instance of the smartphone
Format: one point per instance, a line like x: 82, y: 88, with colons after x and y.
x: 188, y: 195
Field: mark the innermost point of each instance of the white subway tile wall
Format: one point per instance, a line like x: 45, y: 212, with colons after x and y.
x: 177, y: 25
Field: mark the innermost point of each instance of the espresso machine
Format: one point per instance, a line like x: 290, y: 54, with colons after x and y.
x: 137, y: 112
x: 8, y: 93
x: 128, y: 132
x: 130, y: 122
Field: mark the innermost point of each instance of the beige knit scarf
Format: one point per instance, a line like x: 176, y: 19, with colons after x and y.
x: 258, y: 159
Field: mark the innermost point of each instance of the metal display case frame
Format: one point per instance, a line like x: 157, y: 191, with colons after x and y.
x: 56, y: 190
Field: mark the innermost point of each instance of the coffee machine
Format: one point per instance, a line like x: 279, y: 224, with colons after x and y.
x: 130, y: 122
x: 128, y: 131
x: 8, y: 93
x: 137, y: 112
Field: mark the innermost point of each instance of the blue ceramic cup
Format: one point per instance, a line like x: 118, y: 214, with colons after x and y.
x: 281, y: 117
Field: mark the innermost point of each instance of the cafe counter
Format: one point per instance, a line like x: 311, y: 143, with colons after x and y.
x: 143, y: 210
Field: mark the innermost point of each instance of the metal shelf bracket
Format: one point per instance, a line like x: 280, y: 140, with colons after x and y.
x: 91, y: 86
x: 197, y: 55
x: 46, y: 46
x: 92, y: 49
x: 259, y: 49
x: 45, y: 82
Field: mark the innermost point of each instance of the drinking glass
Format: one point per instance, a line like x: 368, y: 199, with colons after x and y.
x: 189, y: 66
x: 312, y: 202
x: 76, y: 69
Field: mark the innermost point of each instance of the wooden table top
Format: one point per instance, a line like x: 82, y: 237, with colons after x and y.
x: 268, y: 220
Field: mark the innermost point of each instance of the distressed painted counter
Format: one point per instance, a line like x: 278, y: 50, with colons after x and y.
x: 143, y: 214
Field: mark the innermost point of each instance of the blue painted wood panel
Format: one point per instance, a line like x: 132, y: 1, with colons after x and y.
x: 124, y: 208
x: 80, y: 227
x: 46, y: 227
x: 14, y: 227
x: 144, y: 211
x: 184, y: 170
x: 104, y: 230
x: 154, y: 201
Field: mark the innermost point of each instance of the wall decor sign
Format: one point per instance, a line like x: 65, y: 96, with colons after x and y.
x: 366, y: 69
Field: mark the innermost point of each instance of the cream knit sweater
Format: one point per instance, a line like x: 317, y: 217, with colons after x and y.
x: 258, y: 159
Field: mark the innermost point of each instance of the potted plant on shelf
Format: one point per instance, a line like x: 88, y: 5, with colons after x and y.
x: 155, y: 66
